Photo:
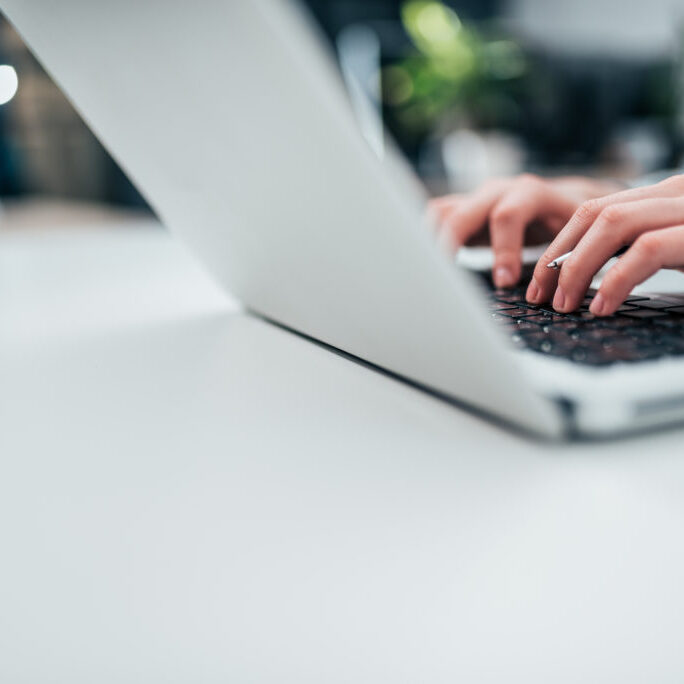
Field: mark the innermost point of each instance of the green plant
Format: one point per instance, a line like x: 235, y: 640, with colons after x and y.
x: 454, y: 72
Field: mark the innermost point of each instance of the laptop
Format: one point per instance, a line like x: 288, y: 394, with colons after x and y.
x: 232, y: 120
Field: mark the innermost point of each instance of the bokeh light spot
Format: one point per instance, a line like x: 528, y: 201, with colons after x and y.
x: 9, y: 83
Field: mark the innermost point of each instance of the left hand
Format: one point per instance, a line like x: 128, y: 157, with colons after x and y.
x: 650, y: 219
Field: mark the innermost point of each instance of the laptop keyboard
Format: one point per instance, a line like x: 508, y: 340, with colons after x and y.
x: 644, y: 328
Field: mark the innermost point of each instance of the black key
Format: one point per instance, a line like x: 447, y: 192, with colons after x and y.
x: 536, y: 318
x: 618, y: 323
x: 615, y: 349
x: 540, y: 344
x: 601, y: 358
x: 534, y: 335
x: 638, y: 333
x: 667, y: 322
x: 617, y: 354
x: 669, y: 341
x: 644, y: 313
x: 559, y: 338
x: 579, y: 354
x: 503, y: 292
x: 585, y: 326
x: 519, y: 312
x: 547, y: 307
x: 498, y: 306
x: 582, y: 316
x: 546, y: 346
x: 524, y: 325
x: 653, y: 304
x: 621, y: 350
x: 599, y: 334
x: 499, y: 317
x: 676, y: 299
x: 563, y: 324
x: 519, y: 344
x: 556, y: 320
x: 648, y: 353
x: 507, y: 297
x: 673, y: 350
x: 634, y: 333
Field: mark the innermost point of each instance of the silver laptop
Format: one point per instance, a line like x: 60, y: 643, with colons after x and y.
x: 232, y: 121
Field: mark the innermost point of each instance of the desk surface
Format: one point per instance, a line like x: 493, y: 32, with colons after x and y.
x: 189, y: 494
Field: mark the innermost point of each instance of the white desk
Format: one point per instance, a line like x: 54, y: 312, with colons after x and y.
x: 190, y: 495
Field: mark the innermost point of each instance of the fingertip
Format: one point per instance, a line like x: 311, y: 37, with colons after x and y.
x: 533, y: 294
x: 540, y: 289
x: 599, y: 306
x: 559, y: 300
x: 506, y: 270
x: 504, y: 276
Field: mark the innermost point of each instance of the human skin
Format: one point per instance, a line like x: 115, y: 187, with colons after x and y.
x: 591, y: 218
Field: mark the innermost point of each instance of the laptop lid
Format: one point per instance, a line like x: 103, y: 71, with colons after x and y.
x: 232, y: 122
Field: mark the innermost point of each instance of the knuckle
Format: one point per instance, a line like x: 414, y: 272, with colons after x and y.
x: 458, y: 222
x: 614, y: 282
x: 529, y: 182
x: 494, y: 182
x: 676, y: 181
x: 612, y: 285
x: 456, y: 216
x: 541, y: 271
x: 503, y: 214
x: 569, y: 273
x: 546, y: 258
x: 612, y: 216
x: 648, y: 246
x: 542, y: 279
x: 586, y: 211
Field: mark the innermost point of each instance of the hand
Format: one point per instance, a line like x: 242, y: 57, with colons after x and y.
x: 508, y: 207
x: 650, y: 219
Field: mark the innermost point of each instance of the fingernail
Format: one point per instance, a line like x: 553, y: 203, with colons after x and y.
x: 533, y: 292
x: 559, y: 299
x: 598, y: 305
x: 503, y: 276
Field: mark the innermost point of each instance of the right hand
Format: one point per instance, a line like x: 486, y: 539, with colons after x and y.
x: 506, y: 208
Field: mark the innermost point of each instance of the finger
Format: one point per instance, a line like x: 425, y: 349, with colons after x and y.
x: 437, y: 210
x: 471, y: 213
x: 529, y: 198
x: 617, y: 225
x: 544, y: 280
x: 439, y: 207
x: 649, y: 253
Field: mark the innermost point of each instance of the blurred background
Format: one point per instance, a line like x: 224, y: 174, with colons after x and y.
x: 468, y: 88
